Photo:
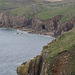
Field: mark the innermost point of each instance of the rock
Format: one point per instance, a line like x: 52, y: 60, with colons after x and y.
x: 32, y: 67
x: 8, y: 20
x: 60, y: 67
x: 51, y: 27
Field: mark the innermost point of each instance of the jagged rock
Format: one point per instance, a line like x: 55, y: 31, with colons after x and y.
x: 69, y: 25
x: 51, y: 27
x: 32, y: 67
x: 7, y: 20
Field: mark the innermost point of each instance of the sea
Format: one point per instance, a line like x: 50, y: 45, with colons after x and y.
x: 17, y: 47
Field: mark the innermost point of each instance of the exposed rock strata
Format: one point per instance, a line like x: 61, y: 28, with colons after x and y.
x: 51, y: 27
x: 38, y: 66
x: 7, y: 20
x: 32, y: 67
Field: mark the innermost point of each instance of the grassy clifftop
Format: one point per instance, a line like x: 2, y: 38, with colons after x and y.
x: 66, y: 42
x: 45, y: 10
x: 66, y: 10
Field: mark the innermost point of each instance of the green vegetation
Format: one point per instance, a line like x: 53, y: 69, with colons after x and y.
x: 43, y: 10
x: 65, y: 42
x: 47, y: 11
x: 68, y: 11
x: 30, y: 11
x: 19, y: 11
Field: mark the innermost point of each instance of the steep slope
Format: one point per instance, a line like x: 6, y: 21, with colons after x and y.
x: 57, y: 58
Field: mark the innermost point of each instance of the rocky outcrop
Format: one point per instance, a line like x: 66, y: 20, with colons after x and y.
x: 36, y: 65
x: 69, y: 25
x: 51, y: 27
x: 7, y: 20
x: 32, y: 67
x: 46, y: 26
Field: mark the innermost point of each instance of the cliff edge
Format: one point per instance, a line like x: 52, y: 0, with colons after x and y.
x: 52, y: 27
x: 57, y: 58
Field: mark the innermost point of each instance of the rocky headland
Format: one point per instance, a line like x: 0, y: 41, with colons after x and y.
x: 57, y: 58
x: 52, y: 27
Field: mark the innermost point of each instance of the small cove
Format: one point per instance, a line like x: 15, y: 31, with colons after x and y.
x: 17, y: 47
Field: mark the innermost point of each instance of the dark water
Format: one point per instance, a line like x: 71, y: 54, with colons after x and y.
x: 18, y: 48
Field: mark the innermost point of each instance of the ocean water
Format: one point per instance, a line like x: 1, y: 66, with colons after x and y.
x: 17, y: 47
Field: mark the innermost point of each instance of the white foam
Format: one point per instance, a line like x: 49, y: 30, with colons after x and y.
x: 21, y: 32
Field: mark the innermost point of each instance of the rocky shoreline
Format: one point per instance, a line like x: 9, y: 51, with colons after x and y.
x: 52, y: 27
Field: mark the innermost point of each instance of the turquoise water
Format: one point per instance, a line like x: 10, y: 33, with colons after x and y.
x: 17, y: 47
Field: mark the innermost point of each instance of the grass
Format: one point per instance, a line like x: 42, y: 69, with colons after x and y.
x: 23, y: 11
x: 43, y: 10
x: 67, y: 11
x: 18, y: 11
x: 47, y: 15
x: 66, y: 42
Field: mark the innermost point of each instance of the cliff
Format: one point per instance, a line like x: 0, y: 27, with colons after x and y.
x: 48, y: 18
x: 51, y: 27
x: 57, y: 58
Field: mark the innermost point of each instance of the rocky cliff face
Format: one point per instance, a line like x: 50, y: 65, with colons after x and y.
x: 7, y: 20
x: 32, y: 67
x: 51, y: 27
x: 35, y: 66
x: 53, y: 62
x: 46, y: 26
x: 40, y: 66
